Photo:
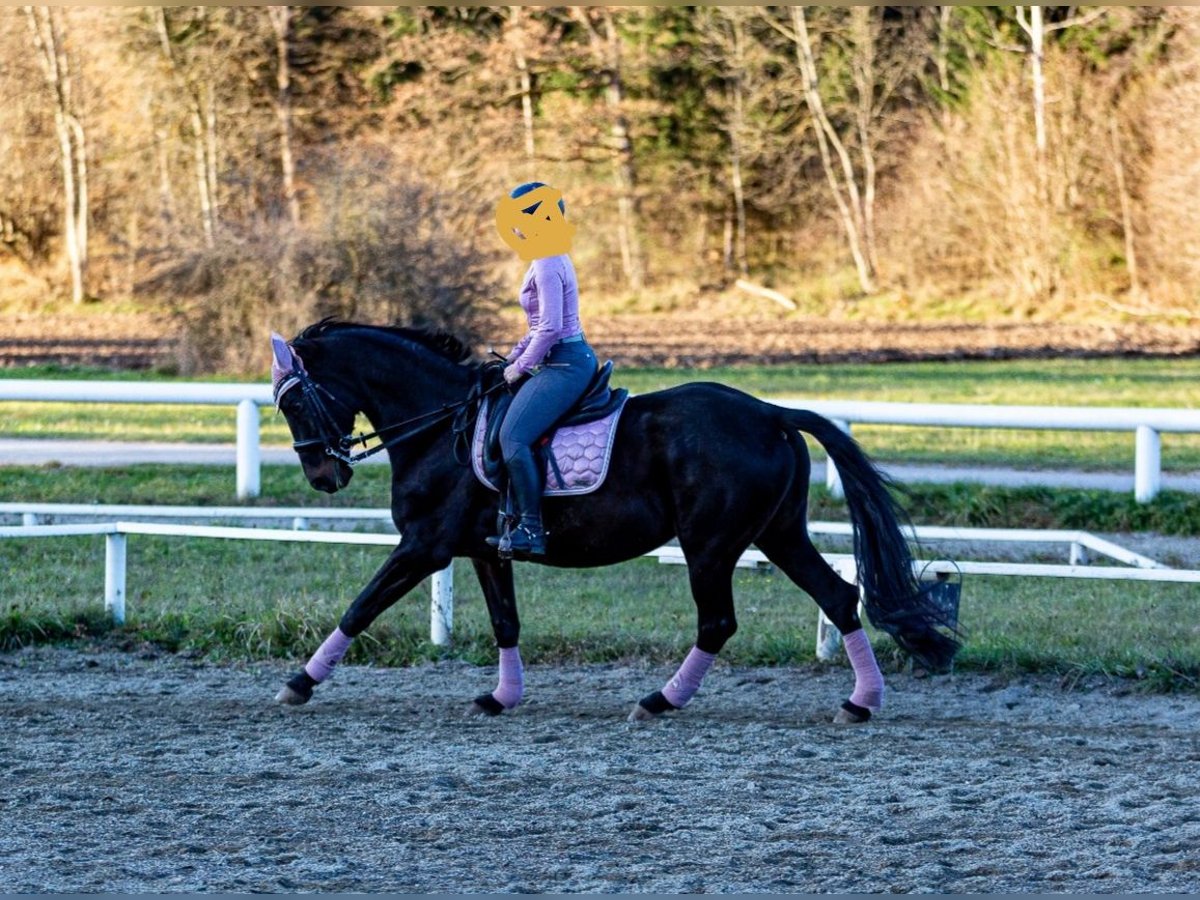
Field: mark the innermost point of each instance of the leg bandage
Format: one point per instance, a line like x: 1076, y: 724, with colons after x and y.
x: 511, y: 688
x: 868, y: 680
x: 328, y: 655
x: 683, y: 686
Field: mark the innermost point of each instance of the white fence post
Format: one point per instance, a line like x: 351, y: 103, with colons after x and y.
x: 249, y: 457
x: 114, y: 576
x: 833, y: 481
x: 441, y: 607
x: 1147, y: 464
x: 829, y: 639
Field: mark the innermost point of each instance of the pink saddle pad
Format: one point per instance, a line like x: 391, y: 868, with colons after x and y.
x: 580, y: 452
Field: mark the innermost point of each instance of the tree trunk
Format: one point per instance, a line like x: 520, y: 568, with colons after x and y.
x: 843, y: 185
x: 606, y: 51
x: 1037, y: 56
x: 281, y: 19
x: 624, y: 169
x: 864, y: 83
x: 203, y: 119
x: 942, y: 62
x: 1035, y: 29
x: 1135, y: 284
x: 526, y: 84
x: 166, y: 193
x: 736, y: 133
x: 47, y: 33
x: 210, y: 150
x: 208, y: 217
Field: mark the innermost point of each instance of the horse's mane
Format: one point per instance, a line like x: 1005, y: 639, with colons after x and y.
x: 446, y: 345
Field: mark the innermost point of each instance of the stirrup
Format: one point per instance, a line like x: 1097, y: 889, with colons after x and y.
x: 524, y: 541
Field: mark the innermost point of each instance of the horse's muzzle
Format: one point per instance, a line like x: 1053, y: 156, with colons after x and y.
x: 329, y: 475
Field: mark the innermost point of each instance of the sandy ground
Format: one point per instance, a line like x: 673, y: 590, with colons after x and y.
x: 135, y: 772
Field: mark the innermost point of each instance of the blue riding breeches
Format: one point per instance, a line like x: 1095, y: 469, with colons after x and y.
x: 556, y: 386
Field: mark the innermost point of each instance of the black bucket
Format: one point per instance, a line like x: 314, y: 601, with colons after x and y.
x: 944, y: 590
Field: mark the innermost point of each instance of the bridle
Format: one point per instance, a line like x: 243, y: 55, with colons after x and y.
x: 332, y: 442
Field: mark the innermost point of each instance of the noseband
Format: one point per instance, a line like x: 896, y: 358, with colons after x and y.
x: 338, y: 445
x: 329, y: 438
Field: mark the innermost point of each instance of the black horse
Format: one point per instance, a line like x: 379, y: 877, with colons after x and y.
x: 712, y: 466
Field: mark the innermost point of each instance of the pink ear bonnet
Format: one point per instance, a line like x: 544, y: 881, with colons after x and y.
x: 285, y: 363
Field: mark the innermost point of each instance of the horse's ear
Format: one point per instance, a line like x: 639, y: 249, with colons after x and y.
x: 281, y: 352
x: 284, y: 361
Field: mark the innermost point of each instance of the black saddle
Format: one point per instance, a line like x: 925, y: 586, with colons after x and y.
x: 598, y: 401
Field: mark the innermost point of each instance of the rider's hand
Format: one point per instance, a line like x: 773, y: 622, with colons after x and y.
x: 512, y: 374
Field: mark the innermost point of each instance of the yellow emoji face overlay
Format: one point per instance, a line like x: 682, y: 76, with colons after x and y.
x: 539, y: 234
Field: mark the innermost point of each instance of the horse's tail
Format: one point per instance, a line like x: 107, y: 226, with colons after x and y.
x: 893, y: 599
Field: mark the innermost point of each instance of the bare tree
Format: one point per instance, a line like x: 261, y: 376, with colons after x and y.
x: 725, y: 40
x: 742, y: 88
x: 1118, y: 160
x: 840, y: 173
x: 196, y: 81
x: 281, y: 22
x: 48, y: 30
x: 515, y: 35
x: 1033, y: 23
x: 605, y: 43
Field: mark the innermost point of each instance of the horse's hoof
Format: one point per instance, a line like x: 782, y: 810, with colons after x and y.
x: 288, y: 697
x: 640, y: 714
x: 485, y: 705
x: 852, y: 714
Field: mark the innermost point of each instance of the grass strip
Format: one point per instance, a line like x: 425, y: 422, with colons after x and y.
x: 242, y: 600
x: 239, y: 601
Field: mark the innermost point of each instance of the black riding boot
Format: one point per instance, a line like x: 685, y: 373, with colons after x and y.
x: 527, y: 538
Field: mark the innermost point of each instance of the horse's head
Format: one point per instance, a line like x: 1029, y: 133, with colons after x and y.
x: 318, y: 420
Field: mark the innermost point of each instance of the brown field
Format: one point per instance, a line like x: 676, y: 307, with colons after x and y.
x: 694, y: 339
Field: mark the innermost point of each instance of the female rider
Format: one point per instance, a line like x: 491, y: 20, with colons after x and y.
x: 560, y: 365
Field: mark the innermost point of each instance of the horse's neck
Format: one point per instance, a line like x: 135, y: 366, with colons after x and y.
x: 398, y: 386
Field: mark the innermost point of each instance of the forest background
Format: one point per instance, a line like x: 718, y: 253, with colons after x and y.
x: 228, y: 171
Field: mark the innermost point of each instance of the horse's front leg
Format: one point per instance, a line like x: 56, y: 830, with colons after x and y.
x: 496, y: 579
x: 409, y: 565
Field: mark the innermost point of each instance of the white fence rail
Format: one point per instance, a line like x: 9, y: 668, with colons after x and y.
x: 441, y: 612
x: 1147, y: 424
x: 246, y: 398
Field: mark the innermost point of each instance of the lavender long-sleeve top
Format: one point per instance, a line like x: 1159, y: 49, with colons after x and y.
x: 550, y: 298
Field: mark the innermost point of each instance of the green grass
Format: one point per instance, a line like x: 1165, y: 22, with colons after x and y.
x: 249, y: 600
x: 244, y: 600
x: 233, y: 600
x: 1065, y: 382
x: 1051, y: 382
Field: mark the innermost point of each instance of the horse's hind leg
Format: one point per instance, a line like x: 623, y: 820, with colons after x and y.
x: 793, y: 552
x: 712, y: 589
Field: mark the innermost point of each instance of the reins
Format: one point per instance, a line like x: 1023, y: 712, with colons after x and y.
x: 463, y: 412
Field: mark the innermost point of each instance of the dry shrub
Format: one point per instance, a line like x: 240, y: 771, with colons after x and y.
x: 373, y: 248
x: 1169, y: 224
x: 978, y: 213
